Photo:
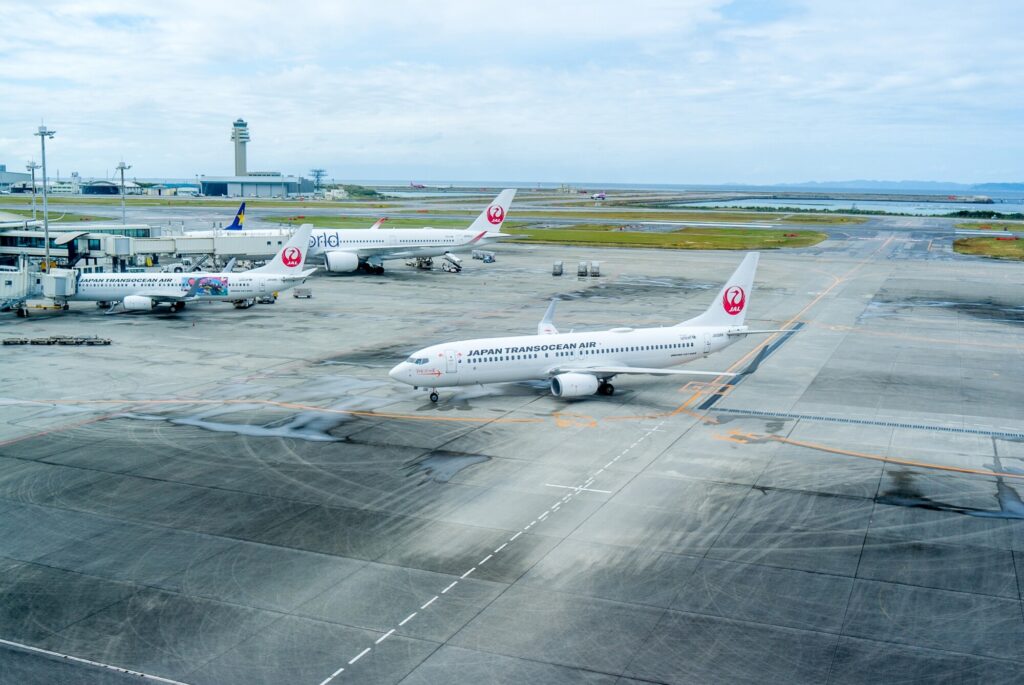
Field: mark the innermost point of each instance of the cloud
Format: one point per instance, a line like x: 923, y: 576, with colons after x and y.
x: 691, y: 91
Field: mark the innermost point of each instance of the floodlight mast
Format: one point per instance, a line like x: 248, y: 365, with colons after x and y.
x: 122, y: 167
x: 43, y: 134
x: 32, y: 166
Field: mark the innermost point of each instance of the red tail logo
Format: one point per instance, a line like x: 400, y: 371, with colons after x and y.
x: 292, y: 256
x: 734, y: 300
x: 495, y: 214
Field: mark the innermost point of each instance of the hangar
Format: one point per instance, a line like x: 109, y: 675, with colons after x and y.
x: 270, y: 185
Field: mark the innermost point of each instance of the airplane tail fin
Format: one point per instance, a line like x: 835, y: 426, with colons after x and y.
x: 289, y: 261
x: 239, y: 223
x: 730, y: 307
x: 491, y: 218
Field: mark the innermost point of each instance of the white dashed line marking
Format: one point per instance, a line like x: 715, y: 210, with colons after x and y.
x: 332, y: 676
x: 576, y: 489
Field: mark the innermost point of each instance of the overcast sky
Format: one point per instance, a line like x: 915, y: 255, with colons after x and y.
x: 681, y: 91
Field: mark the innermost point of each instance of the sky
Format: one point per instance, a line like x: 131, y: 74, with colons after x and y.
x: 681, y: 91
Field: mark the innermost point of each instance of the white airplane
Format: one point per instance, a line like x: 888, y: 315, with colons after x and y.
x: 581, y: 364
x: 144, y: 291
x: 367, y: 249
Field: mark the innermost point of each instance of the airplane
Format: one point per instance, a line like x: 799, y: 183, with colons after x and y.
x: 581, y: 364
x: 144, y: 291
x: 366, y: 249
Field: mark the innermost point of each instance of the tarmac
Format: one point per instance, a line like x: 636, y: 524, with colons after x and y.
x: 243, y: 496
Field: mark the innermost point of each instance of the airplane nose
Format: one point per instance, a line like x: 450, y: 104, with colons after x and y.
x: 395, y: 371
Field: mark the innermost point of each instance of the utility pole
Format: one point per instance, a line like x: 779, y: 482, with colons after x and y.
x: 43, y: 134
x: 122, y: 167
x: 32, y: 166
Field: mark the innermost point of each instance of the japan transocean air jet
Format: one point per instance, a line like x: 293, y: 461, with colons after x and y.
x: 144, y: 291
x: 581, y: 364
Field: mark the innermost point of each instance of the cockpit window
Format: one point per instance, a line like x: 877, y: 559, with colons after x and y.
x: 417, y: 360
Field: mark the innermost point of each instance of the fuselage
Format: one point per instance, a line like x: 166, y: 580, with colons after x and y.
x: 534, y: 357
x: 114, y: 287
x: 397, y: 243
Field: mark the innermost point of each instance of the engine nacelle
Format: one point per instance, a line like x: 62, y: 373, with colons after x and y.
x: 573, y: 385
x: 138, y: 303
x: 341, y: 262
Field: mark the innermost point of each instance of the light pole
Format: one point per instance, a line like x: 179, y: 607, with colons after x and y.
x: 32, y: 166
x: 43, y: 134
x: 122, y: 167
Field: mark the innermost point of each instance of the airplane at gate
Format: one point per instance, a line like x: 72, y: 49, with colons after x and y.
x: 144, y: 291
x: 582, y: 364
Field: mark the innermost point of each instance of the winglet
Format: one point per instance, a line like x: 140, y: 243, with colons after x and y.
x: 547, y: 324
x: 377, y: 223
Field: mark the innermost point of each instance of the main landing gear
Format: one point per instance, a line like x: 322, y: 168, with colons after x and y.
x: 177, y: 307
x: 434, y: 396
x: 605, y: 388
x: 376, y: 269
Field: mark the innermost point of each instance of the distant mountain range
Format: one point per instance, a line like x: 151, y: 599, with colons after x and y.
x: 906, y: 185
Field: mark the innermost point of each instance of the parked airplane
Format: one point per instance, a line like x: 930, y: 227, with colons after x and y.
x: 580, y: 364
x: 144, y: 291
x: 367, y: 249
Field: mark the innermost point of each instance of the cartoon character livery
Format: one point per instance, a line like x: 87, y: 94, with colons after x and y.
x: 144, y: 291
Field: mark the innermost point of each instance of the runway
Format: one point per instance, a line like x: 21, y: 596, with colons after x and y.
x: 228, y: 496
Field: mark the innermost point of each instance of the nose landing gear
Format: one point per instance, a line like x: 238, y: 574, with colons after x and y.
x: 434, y: 396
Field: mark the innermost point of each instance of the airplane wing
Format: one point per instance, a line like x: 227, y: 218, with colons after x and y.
x: 605, y: 371
x: 608, y: 371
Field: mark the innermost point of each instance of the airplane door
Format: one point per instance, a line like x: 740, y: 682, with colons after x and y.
x: 261, y: 284
x: 707, y: 343
x: 451, y: 364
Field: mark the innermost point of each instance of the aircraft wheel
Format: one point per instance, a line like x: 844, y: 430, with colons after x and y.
x: 606, y: 389
x: 434, y: 397
x: 378, y: 270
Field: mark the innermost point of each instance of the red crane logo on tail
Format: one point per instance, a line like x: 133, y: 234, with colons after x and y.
x: 292, y: 256
x: 495, y: 214
x: 734, y: 300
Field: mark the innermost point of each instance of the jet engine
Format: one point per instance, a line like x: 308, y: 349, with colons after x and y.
x: 341, y: 262
x: 573, y: 385
x: 138, y: 303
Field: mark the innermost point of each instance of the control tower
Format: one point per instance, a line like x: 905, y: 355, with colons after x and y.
x: 240, y: 136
